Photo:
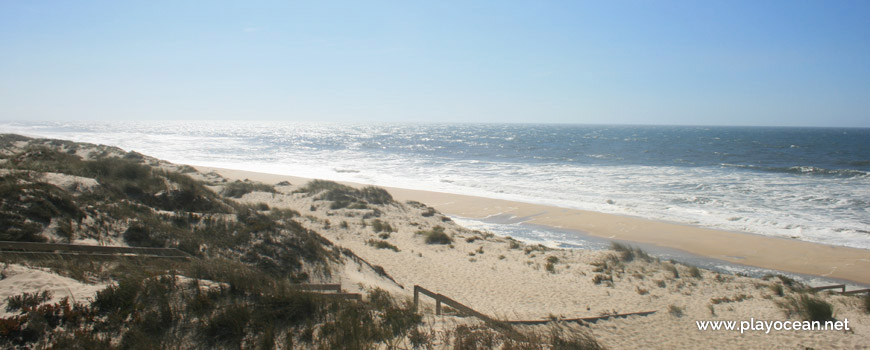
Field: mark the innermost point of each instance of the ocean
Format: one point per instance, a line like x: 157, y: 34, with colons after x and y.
x: 811, y: 184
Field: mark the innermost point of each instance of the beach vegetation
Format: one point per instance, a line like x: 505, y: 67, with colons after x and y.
x: 675, y: 310
x: 236, y: 290
x: 672, y: 268
x: 777, y: 289
x: 599, y: 279
x: 382, y: 226
x: 184, y: 168
x: 561, y: 339
x: 734, y: 299
x: 380, y: 244
x: 551, y: 264
x: 808, y: 307
x: 793, y: 284
x: 26, y: 301
x: 628, y: 253
x: 641, y: 291
x: 429, y: 212
x: 343, y: 196
x: 436, y: 236
x: 866, y: 303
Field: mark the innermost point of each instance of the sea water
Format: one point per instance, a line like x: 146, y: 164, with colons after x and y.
x: 811, y: 184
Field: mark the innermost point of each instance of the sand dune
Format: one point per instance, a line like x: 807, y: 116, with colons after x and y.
x: 511, y: 281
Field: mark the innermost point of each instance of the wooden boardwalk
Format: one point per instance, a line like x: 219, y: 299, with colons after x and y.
x: 505, y: 325
x: 842, y: 288
x: 31, y: 248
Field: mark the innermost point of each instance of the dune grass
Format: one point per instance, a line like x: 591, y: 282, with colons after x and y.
x: 436, y: 236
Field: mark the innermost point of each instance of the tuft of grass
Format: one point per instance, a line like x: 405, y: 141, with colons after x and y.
x: 382, y: 226
x: 573, y: 340
x: 735, y: 299
x: 627, y: 253
x: 808, y: 307
x: 777, y: 289
x: 791, y: 283
x: 436, y: 236
x: 672, y: 269
x: 867, y: 303
x: 695, y: 272
x: 599, y: 278
x: 27, y: 301
x: 343, y: 196
x: 228, y: 326
x: 676, y: 311
x: 238, y: 188
x: 551, y: 268
x: 382, y: 245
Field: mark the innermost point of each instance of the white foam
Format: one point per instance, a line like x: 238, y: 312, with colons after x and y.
x: 810, y: 208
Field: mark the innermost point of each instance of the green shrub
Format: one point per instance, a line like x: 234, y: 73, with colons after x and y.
x: 376, y: 195
x: 809, y: 308
x: 672, y: 269
x: 138, y: 235
x: 382, y: 226
x: 676, y: 311
x: 599, y: 278
x: 867, y: 303
x: 550, y: 267
x: 777, y: 289
x: 227, y: 326
x: 627, y: 253
x: 436, y: 236
x: 237, y: 189
x: 119, y: 299
x: 382, y: 245
x: 560, y: 339
x: 27, y: 300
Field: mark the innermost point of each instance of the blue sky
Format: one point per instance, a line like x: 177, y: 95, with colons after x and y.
x: 792, y: 63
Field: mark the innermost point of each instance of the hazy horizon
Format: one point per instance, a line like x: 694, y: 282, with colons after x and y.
x: 777, y: 63
x: 377, y: 122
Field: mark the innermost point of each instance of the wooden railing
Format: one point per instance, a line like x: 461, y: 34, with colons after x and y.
x: 80, y: 249
x: 440, y: 298
x: 336, y: 288
x: 835, y: 286
x: 857, y: 291
x: 592, y: 319
x: 842, y: 288
x: 504, y: 325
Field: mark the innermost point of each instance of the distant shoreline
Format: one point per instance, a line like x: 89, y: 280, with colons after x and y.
x: 801, y: 257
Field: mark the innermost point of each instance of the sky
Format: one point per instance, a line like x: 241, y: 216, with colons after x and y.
x: 775, y: 63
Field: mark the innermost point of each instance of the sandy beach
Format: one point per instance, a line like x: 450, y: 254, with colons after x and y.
x: 513, y: 281
x: 774, y: 253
